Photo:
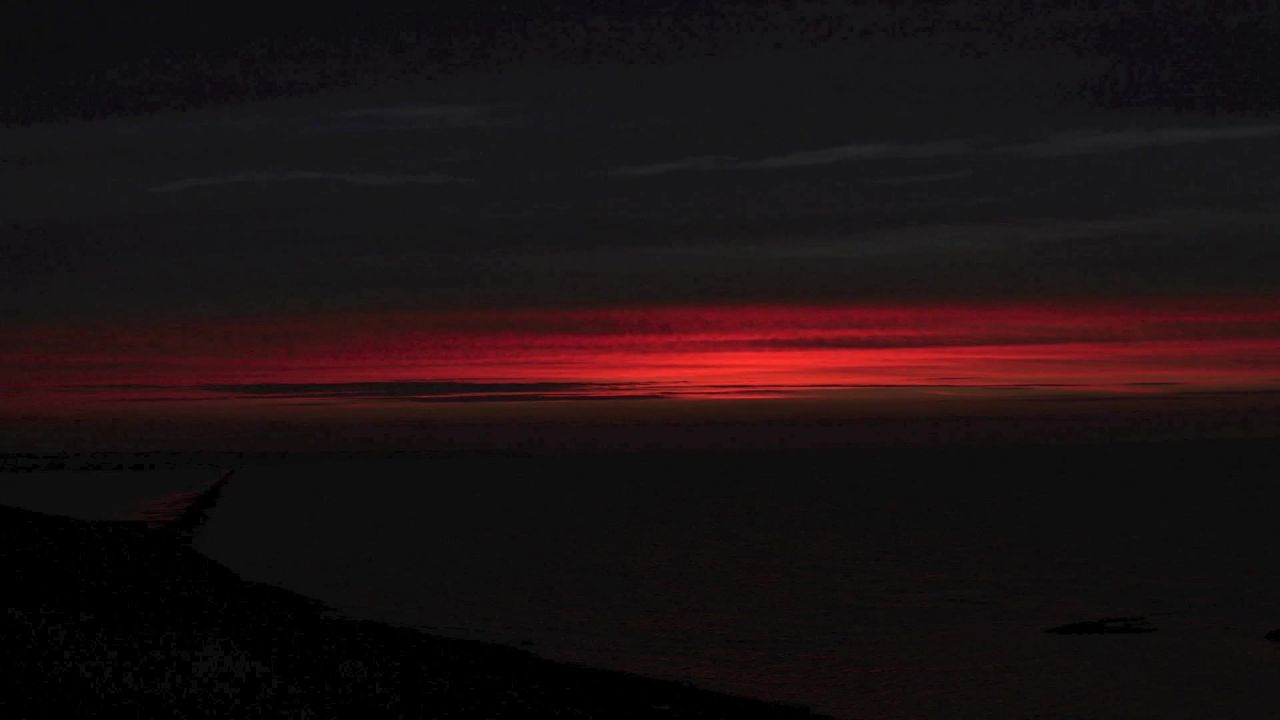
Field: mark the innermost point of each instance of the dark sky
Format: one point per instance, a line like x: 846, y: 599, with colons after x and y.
x: 139, y: 55
x: 222, y: 163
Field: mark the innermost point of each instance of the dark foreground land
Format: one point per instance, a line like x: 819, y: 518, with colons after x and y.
x: 118, y: 619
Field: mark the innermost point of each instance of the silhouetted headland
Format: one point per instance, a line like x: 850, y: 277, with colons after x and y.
x: 182, y: 514
x: 121, y: 619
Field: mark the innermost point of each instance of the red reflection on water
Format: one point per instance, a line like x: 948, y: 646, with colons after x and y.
x: 724, y: 352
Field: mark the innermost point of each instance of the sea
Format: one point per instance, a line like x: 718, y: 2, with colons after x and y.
x: 861, y: 582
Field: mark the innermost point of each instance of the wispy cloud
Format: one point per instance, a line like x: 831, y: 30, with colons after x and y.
x: 897, y: 180
x: 943, y: 239
x: 1056, y: 145
x: 360, y: 179
x: 1088, y: 143
x: 806, y: 158
x: 415, y: 117
x: 435, y: 391
x: 701, y: 162
x: 851, y: 153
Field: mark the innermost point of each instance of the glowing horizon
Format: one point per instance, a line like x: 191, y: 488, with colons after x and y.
x: 682, y: 353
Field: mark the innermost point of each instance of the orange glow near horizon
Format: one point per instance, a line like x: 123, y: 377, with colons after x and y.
x: 681, y: 353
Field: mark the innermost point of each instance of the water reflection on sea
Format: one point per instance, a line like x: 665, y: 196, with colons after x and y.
x: 863, y: 583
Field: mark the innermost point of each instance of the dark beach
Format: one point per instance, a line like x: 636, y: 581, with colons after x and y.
x: 119, y: 619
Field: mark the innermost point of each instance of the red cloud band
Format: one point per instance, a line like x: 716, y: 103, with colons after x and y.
x: 671, y: 352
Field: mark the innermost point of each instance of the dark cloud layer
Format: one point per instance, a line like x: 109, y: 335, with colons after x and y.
x: 94, y: 63
x: 430, y: 391
x: 378, y: 394
x: 959, y: 168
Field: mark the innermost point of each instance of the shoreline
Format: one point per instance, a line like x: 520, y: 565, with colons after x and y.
x: 113, y: 616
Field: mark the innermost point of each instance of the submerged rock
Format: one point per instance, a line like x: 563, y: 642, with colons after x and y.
x: 1105, y: 626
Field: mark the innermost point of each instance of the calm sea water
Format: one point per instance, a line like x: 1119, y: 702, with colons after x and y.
x: 867, y: 584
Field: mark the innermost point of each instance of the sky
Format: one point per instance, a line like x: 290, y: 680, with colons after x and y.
x: 671, y: 211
